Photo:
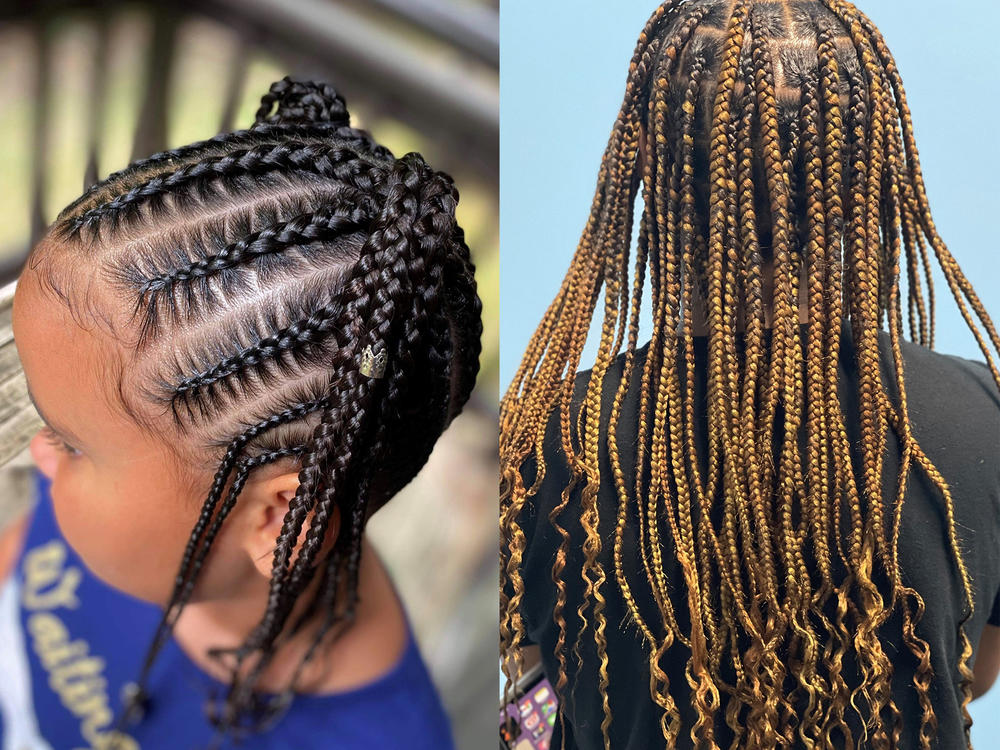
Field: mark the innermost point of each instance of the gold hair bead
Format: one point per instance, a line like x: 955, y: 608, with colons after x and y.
x: 373, y: 365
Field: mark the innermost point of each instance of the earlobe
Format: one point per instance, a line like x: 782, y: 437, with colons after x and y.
x: 272, y: 501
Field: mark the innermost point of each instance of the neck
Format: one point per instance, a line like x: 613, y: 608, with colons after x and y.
x: 699, y: 310
x: 378, y: 629
x: 699, y: 321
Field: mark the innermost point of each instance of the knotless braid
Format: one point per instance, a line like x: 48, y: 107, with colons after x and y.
x: 378, y: 262
x: 760, y: 133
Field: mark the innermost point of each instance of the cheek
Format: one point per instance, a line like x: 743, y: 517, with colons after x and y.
x: 129, y: 539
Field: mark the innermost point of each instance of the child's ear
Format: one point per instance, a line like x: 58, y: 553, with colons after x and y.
x: 269, y: 505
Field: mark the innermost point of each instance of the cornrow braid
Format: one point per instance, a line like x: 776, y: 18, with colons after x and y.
x: 776, y: 134
x: 285, y: 345
x: 267, y: 127
x: 253, y: 270
x: 338, y: 162
x: 266, y: 248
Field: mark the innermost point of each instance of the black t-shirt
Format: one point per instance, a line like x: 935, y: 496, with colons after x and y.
x: 954, y: 409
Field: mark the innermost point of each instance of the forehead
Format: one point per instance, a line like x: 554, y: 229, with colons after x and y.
x: 70, y: 370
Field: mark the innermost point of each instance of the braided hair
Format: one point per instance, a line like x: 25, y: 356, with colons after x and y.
x: 760, y: 133
x: 259, y: 269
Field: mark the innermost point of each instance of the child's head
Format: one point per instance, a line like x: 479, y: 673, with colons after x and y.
x: 209, y: 324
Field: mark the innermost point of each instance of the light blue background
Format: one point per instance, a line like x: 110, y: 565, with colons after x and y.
x: 563, y: 69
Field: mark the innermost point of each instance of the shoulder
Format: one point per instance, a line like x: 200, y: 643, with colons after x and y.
x: 938, y: 362
x: 400, y: 707
x: 562, y: 423
x: 946, y: 387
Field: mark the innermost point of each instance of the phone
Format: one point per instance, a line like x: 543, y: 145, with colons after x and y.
x: 526, y: 722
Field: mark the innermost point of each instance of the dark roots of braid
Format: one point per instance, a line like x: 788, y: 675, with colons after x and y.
x: 409, y: 293
x: 809, y: 165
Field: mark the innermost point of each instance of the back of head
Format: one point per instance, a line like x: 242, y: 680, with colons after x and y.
x: 795, y: 69
x: 771, y: 147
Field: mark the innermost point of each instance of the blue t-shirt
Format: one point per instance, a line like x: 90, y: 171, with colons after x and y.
x: 69, y: 642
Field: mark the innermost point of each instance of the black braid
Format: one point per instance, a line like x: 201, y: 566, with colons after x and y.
x: 294, y: 340
x: 338, y: 162
x: 327, y: 224
x: 302, y: 102
x: 67, y: 224
x: 295, y: 100
x: 197, y: 548
x: 138, y: 693
x: 372, y: 293
x: 359, y: 487
x: 426, y: 230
